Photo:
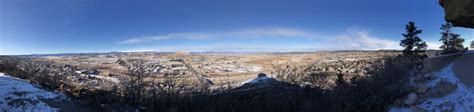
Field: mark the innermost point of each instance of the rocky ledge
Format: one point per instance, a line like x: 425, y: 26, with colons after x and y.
x: 459, y: 12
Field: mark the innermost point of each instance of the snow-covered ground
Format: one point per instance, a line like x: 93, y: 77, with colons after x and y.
x: 256, y: 80
x: 112, y: 79
x: 19, y: 95
x: 462, y: 100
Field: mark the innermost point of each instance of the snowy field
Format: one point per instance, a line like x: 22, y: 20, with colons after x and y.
x: 19, y: 95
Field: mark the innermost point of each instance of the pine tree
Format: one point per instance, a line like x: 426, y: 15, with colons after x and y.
x: 412, y: 43
x: 452, y: 42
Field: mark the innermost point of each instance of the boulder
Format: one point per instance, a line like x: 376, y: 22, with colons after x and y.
x: 459, y: 12
x: 411, y: 99
x: 442, y: 89
x: 421, y: 88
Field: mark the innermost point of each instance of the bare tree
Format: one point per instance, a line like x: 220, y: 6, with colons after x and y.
x: 289, y: 72
x: 134, y: 86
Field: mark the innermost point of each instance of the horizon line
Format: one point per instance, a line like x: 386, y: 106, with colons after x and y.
x: 204, y: 51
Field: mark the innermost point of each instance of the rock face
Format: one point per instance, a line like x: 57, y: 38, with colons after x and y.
x: 459, y: 12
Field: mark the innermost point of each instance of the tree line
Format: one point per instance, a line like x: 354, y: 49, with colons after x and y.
x: 415, y: 46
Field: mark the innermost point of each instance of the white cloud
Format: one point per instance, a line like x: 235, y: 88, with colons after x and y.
x: 234, y: 46
x: 247, y: 33
x: 273, y: 32
x: 434, y: 45
x: 140, y: 50
x: 358, y: 39
x: 135, y: 40
x: 352, y: 39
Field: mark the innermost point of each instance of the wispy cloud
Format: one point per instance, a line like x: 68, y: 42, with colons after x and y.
x: 233, y: 46
x: 359, y: 39
x: 135, y: 40
x: 352, y: 39
x: 246, y: 33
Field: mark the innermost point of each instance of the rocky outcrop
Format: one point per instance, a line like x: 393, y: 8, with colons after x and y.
x: 437, y: 91
x: 459, y: 12
x: 421, y: 88
x: 411, y: 99
x: 442, y: 89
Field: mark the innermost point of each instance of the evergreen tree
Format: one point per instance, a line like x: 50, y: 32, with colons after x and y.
x: 452, y: 42
x: 412, y: 43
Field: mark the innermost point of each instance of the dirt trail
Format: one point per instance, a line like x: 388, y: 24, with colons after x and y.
x: 463, y: 68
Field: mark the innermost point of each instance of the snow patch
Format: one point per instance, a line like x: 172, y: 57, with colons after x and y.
x: 257, y: 80
x: 432, y: 83
x: 462, y: 100
x: 112, y: 79
x: 19, y: 95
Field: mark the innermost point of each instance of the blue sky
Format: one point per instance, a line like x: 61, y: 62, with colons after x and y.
x: 72, y: 26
